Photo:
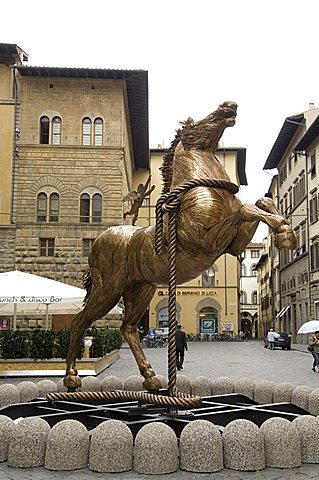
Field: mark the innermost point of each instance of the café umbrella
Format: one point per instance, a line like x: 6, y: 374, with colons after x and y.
x: 25, y: 293
x: 309, y: 327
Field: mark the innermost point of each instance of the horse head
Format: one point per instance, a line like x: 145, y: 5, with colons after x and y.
x: 205, y: 134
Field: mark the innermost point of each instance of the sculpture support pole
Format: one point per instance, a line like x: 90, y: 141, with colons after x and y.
x: 172, y: 226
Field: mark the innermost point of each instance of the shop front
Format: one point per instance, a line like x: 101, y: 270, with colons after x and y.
x: 199, y: 311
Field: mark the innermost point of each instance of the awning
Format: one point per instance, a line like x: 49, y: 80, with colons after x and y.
x: 282, y: 311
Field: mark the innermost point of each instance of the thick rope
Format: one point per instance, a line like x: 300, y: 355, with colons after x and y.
x: 172, y: 321
x: 181, y: 400
x: 170, y: 203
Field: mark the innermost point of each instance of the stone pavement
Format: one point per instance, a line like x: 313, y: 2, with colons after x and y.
x: 213, y: 359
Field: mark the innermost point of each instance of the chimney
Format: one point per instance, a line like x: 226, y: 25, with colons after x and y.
x: 311, y: 106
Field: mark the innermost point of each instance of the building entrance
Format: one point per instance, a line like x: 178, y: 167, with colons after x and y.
x: 208, y: 320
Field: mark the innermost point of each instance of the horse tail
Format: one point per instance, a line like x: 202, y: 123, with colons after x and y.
x: 87, y: 282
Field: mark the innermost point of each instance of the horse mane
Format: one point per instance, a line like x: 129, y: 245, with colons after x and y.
x: 167, y: 165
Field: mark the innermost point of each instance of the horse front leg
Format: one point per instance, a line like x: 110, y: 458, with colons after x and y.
x: 283, y: 233
x: 136, y: 300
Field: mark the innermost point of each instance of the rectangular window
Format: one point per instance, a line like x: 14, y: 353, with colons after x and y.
x: 313, y: 165
x: 46, y: 247
x: 255, y: 254
x: 313, y: 208
x: 86, y: 246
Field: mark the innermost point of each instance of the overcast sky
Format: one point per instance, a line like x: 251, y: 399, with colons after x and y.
x: 261, y: 54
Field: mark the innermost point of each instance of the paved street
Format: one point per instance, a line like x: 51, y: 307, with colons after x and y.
x: 213, y: 359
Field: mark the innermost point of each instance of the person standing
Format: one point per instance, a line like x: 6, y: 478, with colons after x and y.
x: 181, y: 346
x: 315, y: 353
x: 271, y: 337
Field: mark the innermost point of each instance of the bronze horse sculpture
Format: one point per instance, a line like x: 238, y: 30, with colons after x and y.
x: 211, y: 222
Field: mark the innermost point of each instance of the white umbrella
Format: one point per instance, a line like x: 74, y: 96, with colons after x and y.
x: 25, y: 293
x: 309, y: 327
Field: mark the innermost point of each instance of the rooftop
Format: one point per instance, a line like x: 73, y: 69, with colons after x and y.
x: 286, y: 134
x: 136, y: 82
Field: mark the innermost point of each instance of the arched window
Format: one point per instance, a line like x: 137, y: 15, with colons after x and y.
x: 42, y: 207
x: 86, y: 131
x: 54, y: 207
x: 208, y: 277
x: 48, y: 207
x: 97, y: 208
x: 91, y: 208
x: 98, y: 132
x: 242, y: 270
x: 56, y: 131
x: 44, y: 130
x: 243, y: 297
x: 254, y: 297
x: 253, y: 271
x: 85, y: 208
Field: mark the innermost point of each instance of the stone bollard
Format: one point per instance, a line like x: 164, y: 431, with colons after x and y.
x: 111, y: 448
x: 201, y: 447
x: 45, y: 387
x: 155, y: 450
x: 264, y: 392
x: 246, y: 387
x: 134, y: 383
x: 282, y: 392
x: 6, y: 428
x: 111, y: 383
x: 28, y: 391
x: 314, y: 402
x: 202, y: 386
x: 282, y: 443
x: 60, y: 386
x: 9, y: 394
x: 222, y: 386
x: 67, y: 446
x: 300, y: 397
x: 183, y: 384
x: 90, y: 384
x: 308, y: 427
x: 28, y: 443
x: 243, y: 446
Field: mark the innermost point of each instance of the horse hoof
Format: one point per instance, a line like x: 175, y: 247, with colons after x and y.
x: 285, y: 238
x: 71, y: 381
x: 152, y: 383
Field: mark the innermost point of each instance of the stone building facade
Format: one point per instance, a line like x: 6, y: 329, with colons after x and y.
x: 295, y: 156
x: 76, y: 138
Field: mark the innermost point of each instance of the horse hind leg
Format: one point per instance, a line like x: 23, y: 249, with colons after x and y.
x: 99, y: 302
x: 136, y: 300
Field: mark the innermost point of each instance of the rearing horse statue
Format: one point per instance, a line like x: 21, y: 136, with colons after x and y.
x: 211, y: 222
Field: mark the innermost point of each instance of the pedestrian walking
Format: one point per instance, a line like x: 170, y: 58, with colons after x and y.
x: 314, y: 343
x: 271, y: 337
x: 181, y: 346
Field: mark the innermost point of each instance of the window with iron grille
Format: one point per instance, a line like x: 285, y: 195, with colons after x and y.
x: 46, y: 247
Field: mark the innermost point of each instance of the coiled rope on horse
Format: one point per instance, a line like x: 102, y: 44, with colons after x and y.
x: 170, y: 202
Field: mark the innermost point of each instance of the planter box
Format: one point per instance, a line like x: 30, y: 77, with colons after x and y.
x: 55, y: 367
